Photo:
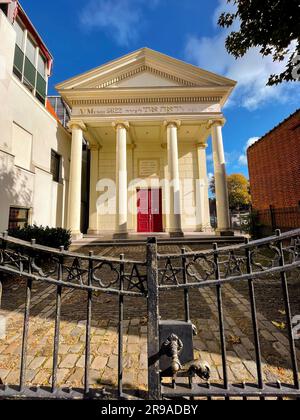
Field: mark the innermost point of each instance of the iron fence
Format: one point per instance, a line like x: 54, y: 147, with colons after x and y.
x: 150, y: 279
x: 276, y: 255
x: 273, y: 218
x: 63, y: 269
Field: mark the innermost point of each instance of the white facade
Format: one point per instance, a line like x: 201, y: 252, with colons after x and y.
x: 28, y: 133
x: 147, y: 118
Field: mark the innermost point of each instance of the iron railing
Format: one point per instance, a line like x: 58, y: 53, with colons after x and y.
x: 274, y: 218
x: 61, y: 109
x: 251, y: 262
x: 277, y: 255
x: 63, y: 269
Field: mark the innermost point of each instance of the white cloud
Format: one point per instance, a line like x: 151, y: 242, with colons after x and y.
x: 251, y: 141
x: 251, y: 71
x: 120, y: 19
x: 209, y: 157
x: 210, y: 176
x: 243, y: 161
x: 223, y: 6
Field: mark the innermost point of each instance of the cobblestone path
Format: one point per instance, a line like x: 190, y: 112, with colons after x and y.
x: 104, y: 339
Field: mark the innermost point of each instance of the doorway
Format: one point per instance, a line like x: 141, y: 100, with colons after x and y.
x: 149, y: 205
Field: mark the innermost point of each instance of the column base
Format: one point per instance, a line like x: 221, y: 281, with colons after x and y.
x: 93, y: 232
x: 204, y: 229
x: 76, y: 236
x: 224, y: 232
x: 123, y: 235
x: 178, y: 234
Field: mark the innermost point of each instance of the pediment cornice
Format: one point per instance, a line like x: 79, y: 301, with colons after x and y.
x: 146, y: 60
x: 144, y: 69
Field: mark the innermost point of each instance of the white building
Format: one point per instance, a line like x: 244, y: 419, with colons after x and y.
x: 146, y: 119
x: 34, y: 146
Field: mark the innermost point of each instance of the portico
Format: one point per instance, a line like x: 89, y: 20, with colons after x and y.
x: 147, y: 119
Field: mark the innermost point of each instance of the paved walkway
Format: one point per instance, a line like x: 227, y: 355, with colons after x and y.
x: 239, y: 334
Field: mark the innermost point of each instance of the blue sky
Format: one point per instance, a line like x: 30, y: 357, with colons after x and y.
x: 85, y: 34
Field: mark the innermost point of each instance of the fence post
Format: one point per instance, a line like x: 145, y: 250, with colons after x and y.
x: 154, y: 385
x: 273, y: 218
x: 3, y: 246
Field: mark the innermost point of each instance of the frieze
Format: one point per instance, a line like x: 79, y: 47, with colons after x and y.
x: 145, y: 110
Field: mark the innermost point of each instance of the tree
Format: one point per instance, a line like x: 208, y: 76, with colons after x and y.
x: 238, y: 191
x: 271, y: 25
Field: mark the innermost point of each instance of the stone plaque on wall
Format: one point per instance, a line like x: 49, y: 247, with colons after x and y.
x: 148, y: 167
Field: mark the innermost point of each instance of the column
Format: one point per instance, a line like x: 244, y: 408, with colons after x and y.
x: 202, y: 199
x: 121, y: 181
x: 222, y: 200
x: 94, y: 171
x: 175, y: 228
x: 74, y: 205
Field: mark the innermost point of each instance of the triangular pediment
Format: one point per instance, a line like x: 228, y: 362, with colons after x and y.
x: 145, y: 68
x: 138, y: 77
x: 147, y: 79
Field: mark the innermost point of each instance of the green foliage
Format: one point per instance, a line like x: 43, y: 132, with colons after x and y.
x: 238, y: 191
x: 50, y: 237
x: 269, y: 25
x: 252, y: 225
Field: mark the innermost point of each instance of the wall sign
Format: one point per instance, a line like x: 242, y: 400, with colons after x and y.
x: 109, y: 111
x: 148, y: 167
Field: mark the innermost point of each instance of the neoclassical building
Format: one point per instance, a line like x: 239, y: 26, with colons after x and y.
x: 147, y: 118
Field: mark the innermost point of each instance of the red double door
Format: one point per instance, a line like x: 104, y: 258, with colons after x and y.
x: 149, y: 204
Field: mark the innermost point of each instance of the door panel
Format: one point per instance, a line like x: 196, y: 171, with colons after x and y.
x: 149, y: 203
x: 143, y: 211
x: 156, y: 210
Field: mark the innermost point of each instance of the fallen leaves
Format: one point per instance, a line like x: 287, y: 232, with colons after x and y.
x: 234, y: 340
x: 279, y: 325
x: 282, y: 312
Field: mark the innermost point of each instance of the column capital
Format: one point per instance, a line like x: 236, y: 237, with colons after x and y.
x: 201, y: 145
x: 164, y: 146
x: 77, y: 124
x: 172, y: 124
x: 95, y: 147
x: 121, y: 124
x: 131, y: 146
x: 220, y: 122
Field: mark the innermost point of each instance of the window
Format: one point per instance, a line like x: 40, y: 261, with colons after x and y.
x: 18, y: 217
x: 20, y: 34
x: 31, y: 71
x: 55, y: 166
x: 42, y: 65
x: 30, y: 50
x: 21, y: 147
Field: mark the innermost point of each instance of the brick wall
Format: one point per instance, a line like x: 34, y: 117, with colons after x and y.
x: 274, y: 167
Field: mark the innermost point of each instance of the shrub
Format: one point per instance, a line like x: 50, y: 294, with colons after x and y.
x: 252, y: 225
x: 50, y: 237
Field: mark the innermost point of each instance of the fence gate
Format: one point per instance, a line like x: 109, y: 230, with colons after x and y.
x: 172, y: 370
x: 171, y: 341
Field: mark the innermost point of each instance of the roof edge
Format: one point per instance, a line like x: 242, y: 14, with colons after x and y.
x: 273, y: 129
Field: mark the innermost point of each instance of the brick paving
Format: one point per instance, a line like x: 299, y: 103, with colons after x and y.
x: 104, y: 338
